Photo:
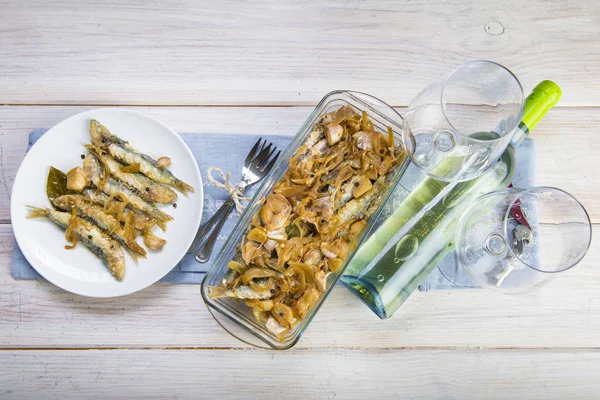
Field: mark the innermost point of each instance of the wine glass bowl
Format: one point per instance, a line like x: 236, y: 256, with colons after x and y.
x: 458, y: 127
x: 515, y: 240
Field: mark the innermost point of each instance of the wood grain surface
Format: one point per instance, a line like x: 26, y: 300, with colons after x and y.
x: 565, y: 139
x: 278, y: 52
x: 259, y: 68
x: 564, y: 314
x: 312, y: 374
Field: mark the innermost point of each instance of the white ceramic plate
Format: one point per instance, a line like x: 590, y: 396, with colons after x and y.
x: 78, y: 270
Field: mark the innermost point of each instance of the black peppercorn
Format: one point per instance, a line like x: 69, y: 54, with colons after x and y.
x: 174, y: 205
x: 356, y: 183
x: 147, y: 189
x: 83, y: 156
x: 90, y: 237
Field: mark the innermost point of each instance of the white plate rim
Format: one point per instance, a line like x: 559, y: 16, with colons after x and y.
x: 47, y: 137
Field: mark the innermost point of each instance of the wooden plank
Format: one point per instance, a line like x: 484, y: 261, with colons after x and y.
x: 326, y: 374
x: 272, y: 52
x: 566, y: 140
x: 564, y: 314
x: 17, y: 122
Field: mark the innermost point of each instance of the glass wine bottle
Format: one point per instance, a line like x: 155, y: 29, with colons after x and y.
x: 411, y: 242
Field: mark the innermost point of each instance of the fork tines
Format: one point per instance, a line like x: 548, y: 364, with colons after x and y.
x: 261, y: 159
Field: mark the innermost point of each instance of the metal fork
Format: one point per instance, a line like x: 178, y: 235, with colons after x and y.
x: 257, y: 164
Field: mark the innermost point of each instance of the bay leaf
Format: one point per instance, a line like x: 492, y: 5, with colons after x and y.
x: 56, y: 185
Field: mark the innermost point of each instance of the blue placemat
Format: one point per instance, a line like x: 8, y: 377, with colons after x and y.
x: 227, y: 151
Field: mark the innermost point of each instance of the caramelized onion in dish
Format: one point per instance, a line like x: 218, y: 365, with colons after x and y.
x: 308, y: 225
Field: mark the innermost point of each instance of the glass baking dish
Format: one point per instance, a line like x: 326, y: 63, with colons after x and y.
x: 232, y: 314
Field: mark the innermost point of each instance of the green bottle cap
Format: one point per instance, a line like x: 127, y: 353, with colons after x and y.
x: 542, y: 98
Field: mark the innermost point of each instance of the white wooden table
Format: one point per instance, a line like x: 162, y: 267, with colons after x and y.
x: 259, y: 67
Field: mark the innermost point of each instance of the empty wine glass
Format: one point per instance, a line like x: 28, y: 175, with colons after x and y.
x: 458, y: 127
x: 515, y: 240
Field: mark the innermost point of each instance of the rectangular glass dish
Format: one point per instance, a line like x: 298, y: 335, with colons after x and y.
x: 233, y: 314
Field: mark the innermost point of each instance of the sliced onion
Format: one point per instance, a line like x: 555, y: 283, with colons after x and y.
x: 70, y: 234
x: 263, y: 305
x: 310, y: 296
x: 255, y: 273
x: 248, y: 251
x: 365, y: 122
x: 283, y: 314
x: 292, y: 191
x: 131, y: 169
x: 105, y: 175
x: 129, y: 232
x: 257, y: 287
x: 335, y: 264
x: 259, y: 315
x: 321, y: 281
x: 236, y: 266
x: 319, y: 240
x: 151, y: 241
x: 298, y: 285
x: 305, y: 269
x: 257, y: 235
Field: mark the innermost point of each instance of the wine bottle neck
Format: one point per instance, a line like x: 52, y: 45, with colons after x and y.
x: 519, y: 135
x: 542, y: 98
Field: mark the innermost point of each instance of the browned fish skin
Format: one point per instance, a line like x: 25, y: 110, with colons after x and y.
x: 113, y: 187
x: 106, y: 248
x: 142, y: 221
x: 88, y: 210
x: 122, y: 151
x: 148, y: 189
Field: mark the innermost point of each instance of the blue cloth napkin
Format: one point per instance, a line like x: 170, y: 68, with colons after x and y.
x: 228, y: 151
